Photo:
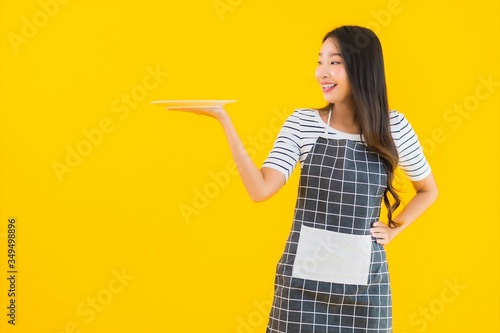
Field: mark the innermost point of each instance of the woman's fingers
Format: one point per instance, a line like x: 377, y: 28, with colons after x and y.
x: 378, y: 224
x: 381, y: 232
x: 210, y: 112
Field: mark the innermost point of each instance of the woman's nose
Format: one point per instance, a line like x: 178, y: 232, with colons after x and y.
x: 322, y: 73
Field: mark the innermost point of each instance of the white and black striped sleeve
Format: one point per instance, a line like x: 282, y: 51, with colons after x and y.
x: 411, y: 156
x: 286, y: 151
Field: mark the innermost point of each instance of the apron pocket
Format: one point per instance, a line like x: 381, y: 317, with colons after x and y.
x: 330, y: 256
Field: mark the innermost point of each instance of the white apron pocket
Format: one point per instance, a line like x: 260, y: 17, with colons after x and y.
x: 335, y: 257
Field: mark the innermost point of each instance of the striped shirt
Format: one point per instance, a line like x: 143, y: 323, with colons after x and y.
x: 303, y: 127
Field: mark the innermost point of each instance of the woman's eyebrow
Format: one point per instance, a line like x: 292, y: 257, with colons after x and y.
x: 330, y: 54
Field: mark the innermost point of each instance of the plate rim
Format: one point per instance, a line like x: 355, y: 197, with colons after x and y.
x: 191, y: 106
x: 186, y: 102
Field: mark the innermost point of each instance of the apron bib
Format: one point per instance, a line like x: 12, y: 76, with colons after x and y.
x: 333, y: 276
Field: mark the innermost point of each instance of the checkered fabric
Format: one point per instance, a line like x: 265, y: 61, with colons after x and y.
x: 340, y: 191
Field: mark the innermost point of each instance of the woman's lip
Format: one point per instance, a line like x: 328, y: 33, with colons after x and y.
x: 327, y: 90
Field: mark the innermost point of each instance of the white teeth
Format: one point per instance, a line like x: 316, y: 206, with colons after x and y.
x: 328, y: 86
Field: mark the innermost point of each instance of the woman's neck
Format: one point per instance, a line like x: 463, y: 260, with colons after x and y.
x: 344, y: 119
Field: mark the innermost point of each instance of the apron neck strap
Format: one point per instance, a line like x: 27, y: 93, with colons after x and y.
x: 328, y: 122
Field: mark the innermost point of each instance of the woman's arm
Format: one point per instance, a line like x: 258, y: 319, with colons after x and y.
x: 426, y: 194
x: 261, y: 184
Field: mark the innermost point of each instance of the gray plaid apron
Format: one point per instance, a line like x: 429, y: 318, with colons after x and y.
x: 333, y: 276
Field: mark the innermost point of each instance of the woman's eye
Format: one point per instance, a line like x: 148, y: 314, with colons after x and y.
x: 331, y: 63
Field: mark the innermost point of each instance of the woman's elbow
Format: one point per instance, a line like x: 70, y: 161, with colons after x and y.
x: 435, y: 194
x: 426, y: 189
x: 431, y: 191
x: 259, y: 197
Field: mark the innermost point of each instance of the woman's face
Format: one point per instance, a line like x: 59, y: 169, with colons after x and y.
x: 331, y: 74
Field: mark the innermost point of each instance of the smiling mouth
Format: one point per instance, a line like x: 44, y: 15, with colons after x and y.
x: 328, y: 87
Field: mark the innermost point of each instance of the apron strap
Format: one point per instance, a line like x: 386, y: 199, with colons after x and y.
x: 328, y: 122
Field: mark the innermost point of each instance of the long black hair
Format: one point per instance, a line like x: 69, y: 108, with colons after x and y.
x: 362, y: 56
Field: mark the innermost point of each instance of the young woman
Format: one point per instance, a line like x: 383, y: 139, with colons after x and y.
x: 333, y: 275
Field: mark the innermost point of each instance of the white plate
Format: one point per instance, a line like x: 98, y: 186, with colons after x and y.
x: 192, y: 104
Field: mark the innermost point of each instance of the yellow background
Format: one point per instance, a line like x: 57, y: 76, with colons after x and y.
x: 154, y: 200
